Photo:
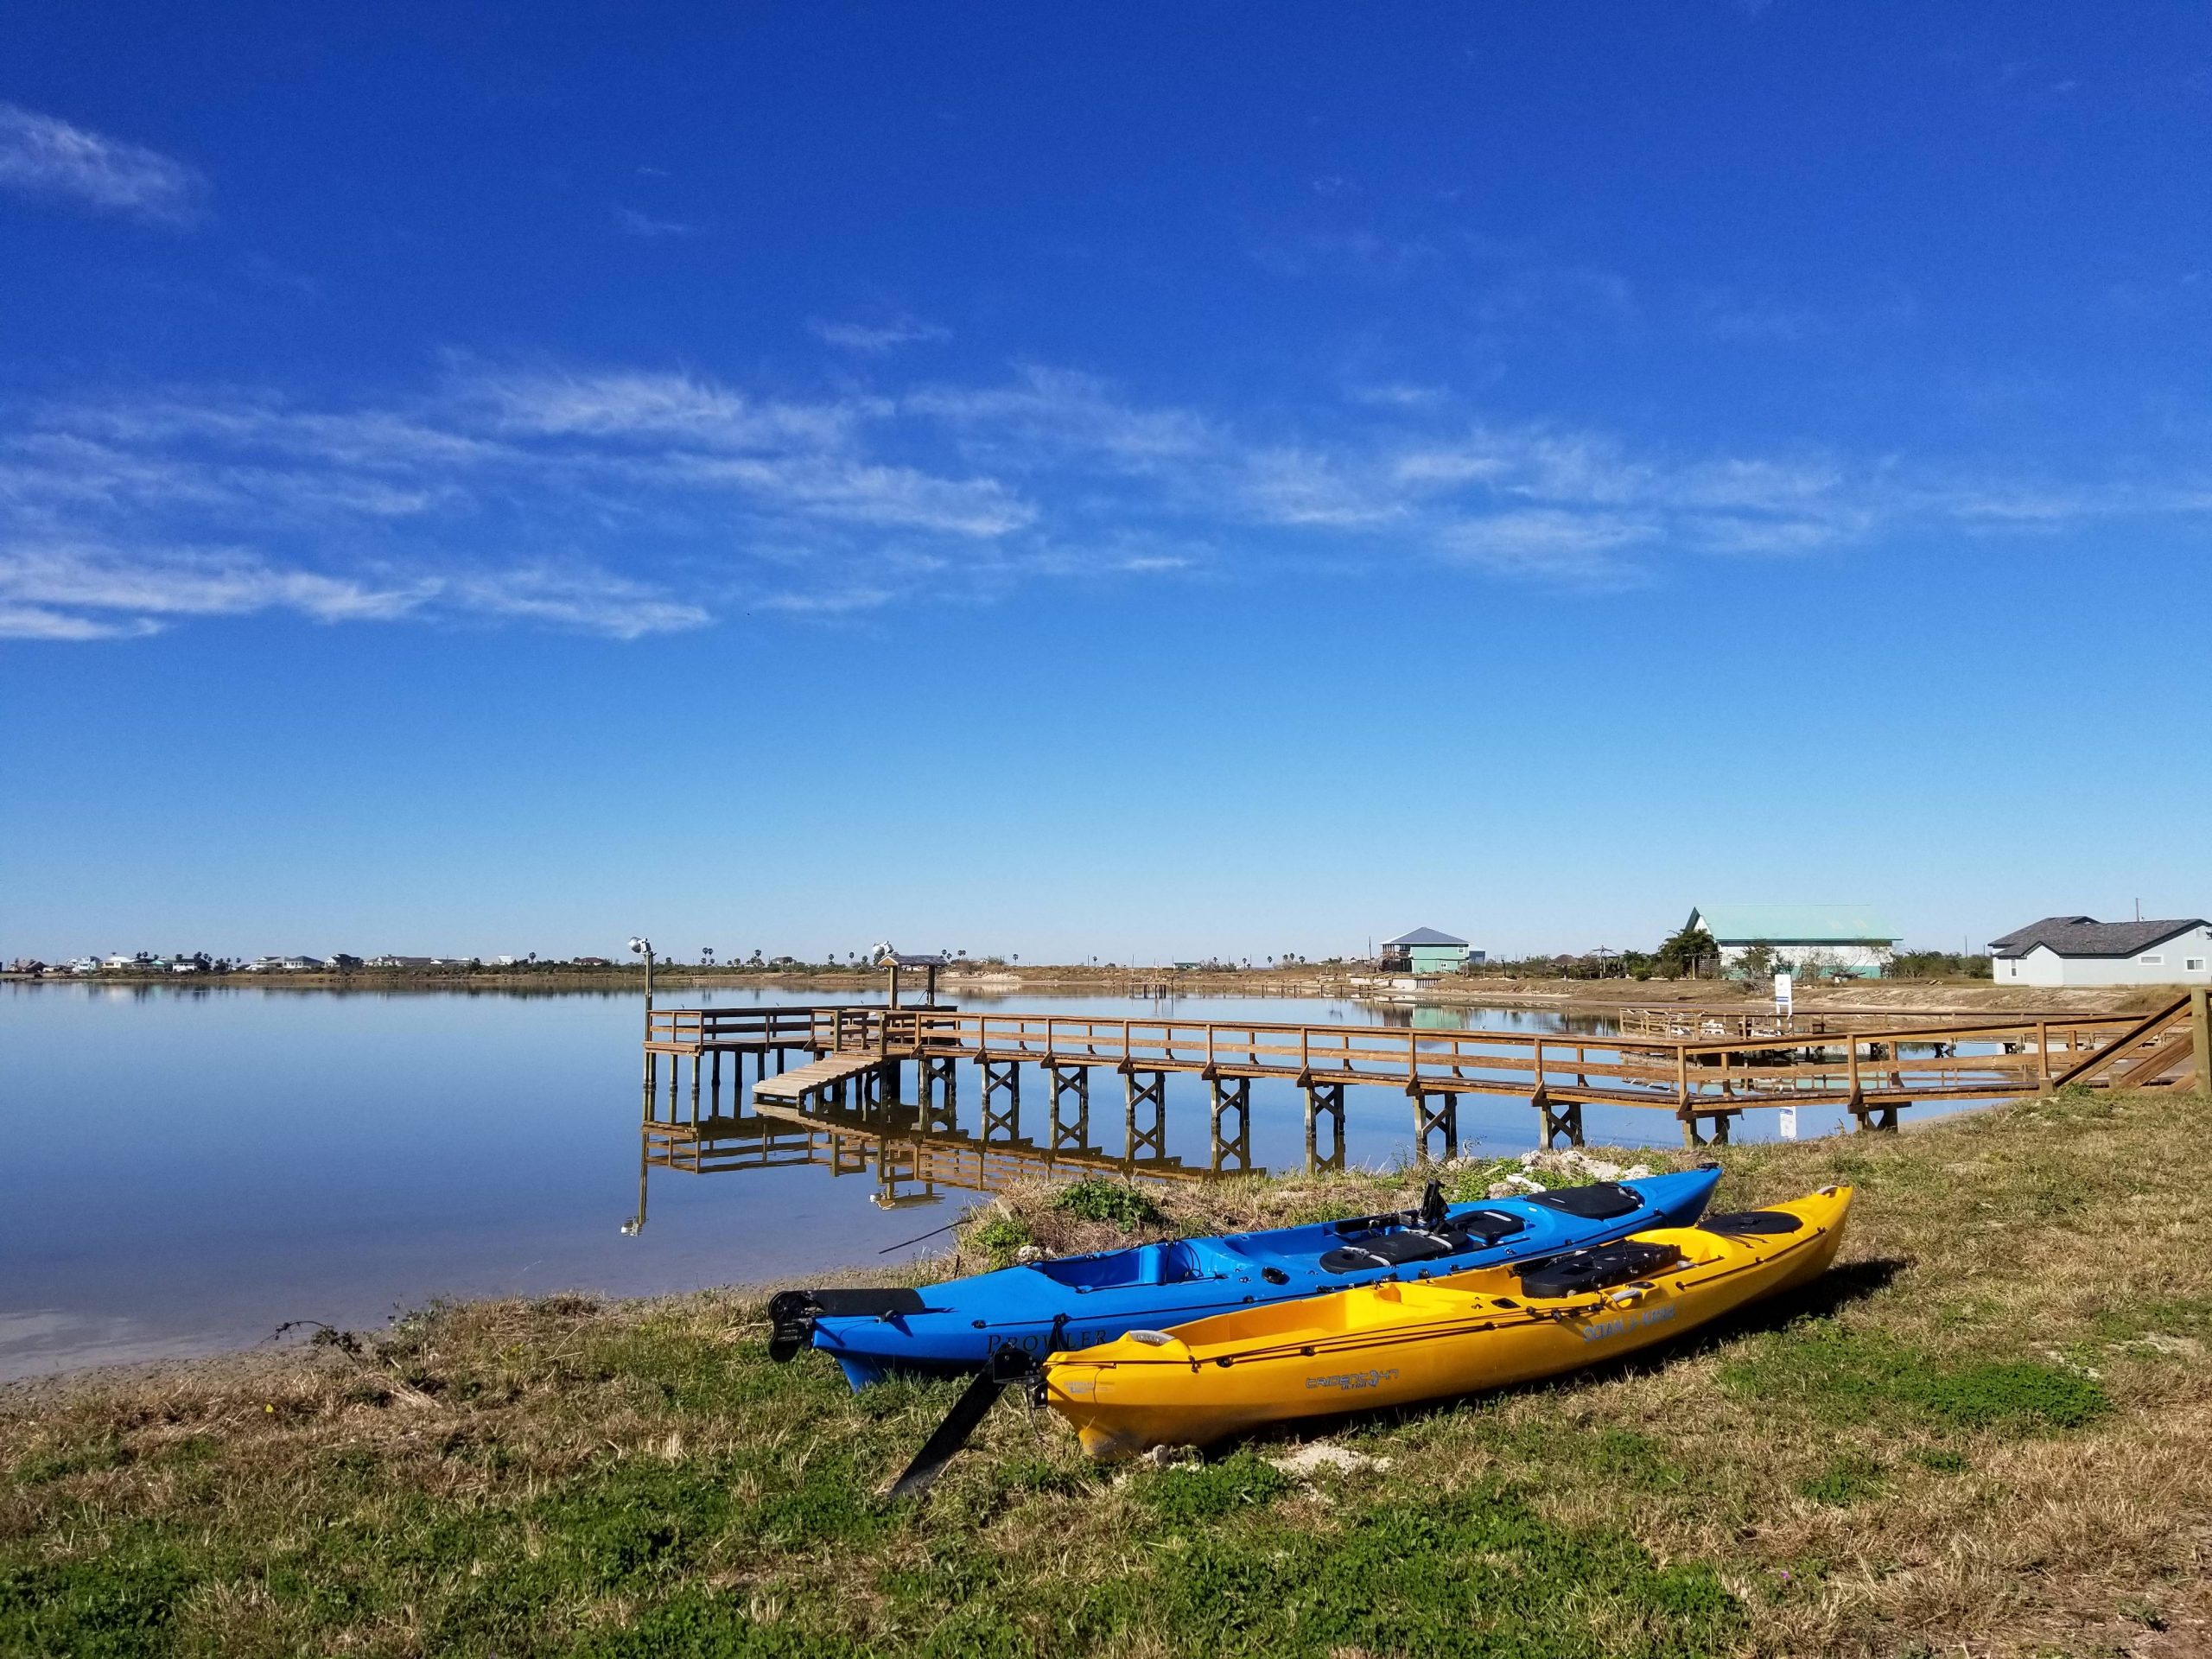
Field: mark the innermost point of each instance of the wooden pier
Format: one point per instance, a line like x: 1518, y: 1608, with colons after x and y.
x: 852, y: 1057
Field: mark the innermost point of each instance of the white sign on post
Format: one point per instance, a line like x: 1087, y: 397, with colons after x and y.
x: 1788, y: 1115
x: 1782, y: 992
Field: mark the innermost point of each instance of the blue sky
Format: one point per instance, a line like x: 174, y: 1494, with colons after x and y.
x: 1135, y: 481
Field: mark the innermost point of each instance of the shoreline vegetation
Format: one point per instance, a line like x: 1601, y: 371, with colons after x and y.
x: 1988, y: 1431
x: 1965, y: 995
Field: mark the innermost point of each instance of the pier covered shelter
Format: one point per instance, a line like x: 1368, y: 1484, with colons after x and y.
x: 1424, y: 950
x: 896, y: 962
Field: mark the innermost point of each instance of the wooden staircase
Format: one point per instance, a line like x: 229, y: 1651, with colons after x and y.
x: 825, y: 1073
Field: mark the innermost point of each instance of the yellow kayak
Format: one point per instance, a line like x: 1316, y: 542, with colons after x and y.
x: 1400, y: 1344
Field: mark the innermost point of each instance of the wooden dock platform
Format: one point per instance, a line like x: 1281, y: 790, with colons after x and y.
x: 1705, y: 1083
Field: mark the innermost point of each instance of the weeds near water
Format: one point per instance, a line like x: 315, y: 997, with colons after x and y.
x: 1125, y: 1206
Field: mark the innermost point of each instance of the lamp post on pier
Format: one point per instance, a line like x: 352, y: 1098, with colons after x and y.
x: 644, y: 947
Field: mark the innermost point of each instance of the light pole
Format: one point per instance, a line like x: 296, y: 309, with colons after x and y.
x: 631, y: 1228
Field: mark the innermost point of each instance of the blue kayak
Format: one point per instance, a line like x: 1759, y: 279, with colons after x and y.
x: 1080, y: 1300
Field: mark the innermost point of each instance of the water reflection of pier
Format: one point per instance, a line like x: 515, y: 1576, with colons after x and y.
x: 912, y: 1153
x: 851, y: 1124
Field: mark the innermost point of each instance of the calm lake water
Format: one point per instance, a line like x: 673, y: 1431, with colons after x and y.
x: 182, y: 1169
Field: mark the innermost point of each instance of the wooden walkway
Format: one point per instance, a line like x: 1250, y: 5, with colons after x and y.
x: 1705, y: 1082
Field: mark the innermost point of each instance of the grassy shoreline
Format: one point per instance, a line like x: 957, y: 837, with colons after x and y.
x: 1989, y: 1431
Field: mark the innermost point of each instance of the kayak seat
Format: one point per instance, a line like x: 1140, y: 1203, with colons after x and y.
x: 1598, y: 1268
x: 1488, y: 1226
x: 1601, y: 1201
x: 1753, y: 1221
x: 1393, y: 1250
x: 1146, y: 1264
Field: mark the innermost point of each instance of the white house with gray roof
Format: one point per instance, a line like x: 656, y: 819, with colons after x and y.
x: 1847, y: 940
x: 2083, y: 951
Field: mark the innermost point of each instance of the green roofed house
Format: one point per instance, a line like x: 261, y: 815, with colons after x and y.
x: 1848, y: 940
x: 1424, y: 950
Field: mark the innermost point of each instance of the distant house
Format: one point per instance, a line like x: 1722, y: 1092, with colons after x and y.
x: 1424, y: 950
x: 285, y: 965
x: 1845, y: 940
x: 341, y: 962
x: 2083, y: 951
x: 399, y: 962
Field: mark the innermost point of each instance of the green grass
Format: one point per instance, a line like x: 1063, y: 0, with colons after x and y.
x: 1202, y: 1491
x: 1842, y: 1376
x: 1849, y: 1480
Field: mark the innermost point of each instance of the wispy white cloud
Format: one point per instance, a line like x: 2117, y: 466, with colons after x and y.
x: 579, y: 598
x: 653, y: 406
x: 1312, y: 488
x: 43, y: 156
x: 631, y: 222
x: 146, y: 586
x: 37, y: 622
x: 1043, y: 415
x: 1584, y: 549
x: 79, y: 591
x: 875, y: 339
x: 858, y: 492
x: 1400, y: 394
x: 626, y: 501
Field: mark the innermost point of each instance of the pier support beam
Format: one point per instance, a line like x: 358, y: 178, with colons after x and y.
x: 1145, y: 1133
x: 1001, y: 1099
x: 1876, y: 1118
x: 1716, y: 1136
x: 1442, y: 1119
x: 1324, y: 1099
x: 1069, y: 1084
x: 1231, y: 1147
x: 1565, y: 1121
x: 652, y: 1082
x: 940, y: 1092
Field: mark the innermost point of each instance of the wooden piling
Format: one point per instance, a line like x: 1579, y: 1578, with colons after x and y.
x: 1071, y: 1083
x: 1324, y: 1099
x: 1001, y: 1108
x: 1139, y: 1136
x: 1231, y: 1096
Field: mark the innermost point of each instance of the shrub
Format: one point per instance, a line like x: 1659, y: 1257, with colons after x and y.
x: 1096, y: 1200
